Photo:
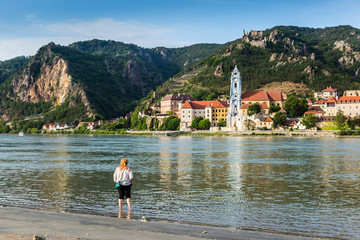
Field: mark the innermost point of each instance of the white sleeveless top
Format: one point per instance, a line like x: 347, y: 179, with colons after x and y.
x: 123, y: 176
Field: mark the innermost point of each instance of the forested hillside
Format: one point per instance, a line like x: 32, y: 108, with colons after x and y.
x: 89, y: 80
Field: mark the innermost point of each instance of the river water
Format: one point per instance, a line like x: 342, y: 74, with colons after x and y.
x: 306, y: 186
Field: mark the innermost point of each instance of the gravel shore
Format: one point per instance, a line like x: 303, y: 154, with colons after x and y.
x: 24, y: 224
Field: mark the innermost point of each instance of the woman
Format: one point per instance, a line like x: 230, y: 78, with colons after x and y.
x: 124, y: 175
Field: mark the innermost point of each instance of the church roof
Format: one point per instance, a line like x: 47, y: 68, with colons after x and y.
x: 262, y: 105
x: 262, y: 96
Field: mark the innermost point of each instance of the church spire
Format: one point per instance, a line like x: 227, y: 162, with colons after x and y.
x: 235, y: 93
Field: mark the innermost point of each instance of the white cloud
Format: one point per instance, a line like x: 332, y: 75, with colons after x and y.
x: 37, y: 35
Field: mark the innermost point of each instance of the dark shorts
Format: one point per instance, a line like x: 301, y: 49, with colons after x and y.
x: 124, y: 191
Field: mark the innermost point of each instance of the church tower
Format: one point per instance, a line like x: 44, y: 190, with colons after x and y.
x: 235, y: 93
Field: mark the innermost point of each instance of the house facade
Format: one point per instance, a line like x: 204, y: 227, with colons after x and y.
x: 212, y: 110
x: 170, y: 103
x: 326, y: 94
x: 265, y: 99
x: 350, y: 106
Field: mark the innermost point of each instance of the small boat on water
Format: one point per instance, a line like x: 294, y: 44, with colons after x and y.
x: 21, y: 134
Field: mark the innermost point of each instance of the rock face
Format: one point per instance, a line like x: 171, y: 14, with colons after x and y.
x: 47, y: 79
x: 272, y: 57
x: 255, y: 38
x: 219, y: 70
x: 310, y: 72
x: 349, y: 55
x: 273, y: 36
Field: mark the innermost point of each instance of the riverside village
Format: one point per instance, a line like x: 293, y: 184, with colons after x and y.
x: 250, y: 110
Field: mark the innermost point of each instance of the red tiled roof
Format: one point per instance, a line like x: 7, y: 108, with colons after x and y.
x: 203, y: 104
x: 314, y: 110
x: 268, y: 119
x: 349, y: 99
x: 262, y: 96
x: 329, y: 90
x: 262, y: 105
x: 331, y: 100
x: 290, y: 122
x: 177, y: 97
x: 319, y: 102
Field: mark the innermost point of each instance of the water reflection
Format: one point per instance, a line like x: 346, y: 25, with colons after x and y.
x: 306, y: 186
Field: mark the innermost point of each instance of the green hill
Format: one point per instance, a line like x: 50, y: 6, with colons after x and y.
x: 104, y: 79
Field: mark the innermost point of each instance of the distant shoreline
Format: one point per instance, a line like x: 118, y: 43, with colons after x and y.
x: 205, y: 133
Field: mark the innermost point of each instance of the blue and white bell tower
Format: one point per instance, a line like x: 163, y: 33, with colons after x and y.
x: 234, y: 119
x: 235, y: 93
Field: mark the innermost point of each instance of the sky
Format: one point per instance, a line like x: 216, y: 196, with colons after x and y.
x: 27, y: 25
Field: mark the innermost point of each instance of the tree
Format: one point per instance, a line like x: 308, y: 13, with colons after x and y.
x: 279, y: 119
x: 254, y: 108
x: 195, y: 122
x: 295, y: 106
x: 340, y: 120
x: 221, y: 123
x: 275, y: 108
x: 353, y: 122
x: 309, y: 121
x: 171, y: 123
x: 174, y: 124
x: 204, y: 124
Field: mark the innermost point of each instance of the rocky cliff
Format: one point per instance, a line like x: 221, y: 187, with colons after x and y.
x: 46, y: 78
x: 93, y: 79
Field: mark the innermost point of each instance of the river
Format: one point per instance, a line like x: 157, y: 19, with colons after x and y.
x: 303, y: 186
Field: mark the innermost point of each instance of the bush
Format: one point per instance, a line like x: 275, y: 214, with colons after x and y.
x: 34, y: 130
x: 204, y: 124
x: 195, y: 122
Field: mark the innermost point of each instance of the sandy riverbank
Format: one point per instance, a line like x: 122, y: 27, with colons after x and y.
x: 23, y: 224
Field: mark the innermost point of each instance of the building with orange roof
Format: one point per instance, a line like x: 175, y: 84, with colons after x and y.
x: 171, y: 102
x: 264, y: 98
x: 350, y: 106
x: 319, y: 103
x: 330, y: 107
x: 212, y: 110
x: 316, y: 111
x: 326, y: 94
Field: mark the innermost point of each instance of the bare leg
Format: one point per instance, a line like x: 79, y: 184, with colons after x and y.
x: 120, y: 204
x: 128, y: 200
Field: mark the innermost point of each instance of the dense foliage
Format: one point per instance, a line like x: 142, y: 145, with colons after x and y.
x: 10, y: 67
x: 195, y: 122
x: 340, y: 120
x: 293, y: 51
x: 309, y: 121
x: 254, y: 109
x: 279, y: 119
x: 295, y: 106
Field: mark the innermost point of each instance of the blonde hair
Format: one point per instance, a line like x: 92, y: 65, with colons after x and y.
x: 123, y: 164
